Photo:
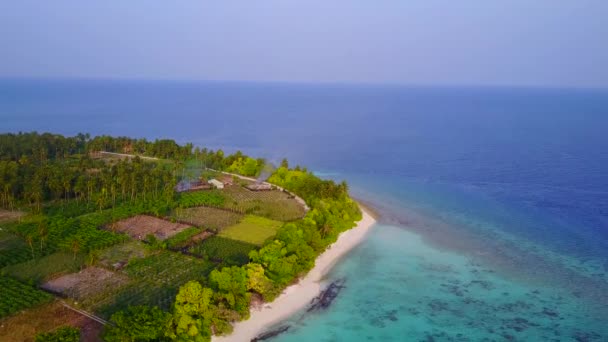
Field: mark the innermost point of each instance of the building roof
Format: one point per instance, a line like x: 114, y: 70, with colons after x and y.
x: 216, y: 183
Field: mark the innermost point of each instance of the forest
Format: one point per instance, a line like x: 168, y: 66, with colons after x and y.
x: 68, y: 192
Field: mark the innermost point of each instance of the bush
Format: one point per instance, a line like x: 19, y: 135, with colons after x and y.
x: 63, y: 334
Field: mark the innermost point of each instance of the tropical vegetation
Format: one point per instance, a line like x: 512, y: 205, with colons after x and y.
x: 73, y: 194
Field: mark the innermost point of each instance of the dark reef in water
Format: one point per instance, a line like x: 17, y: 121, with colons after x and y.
x: 272, y: 333
x: 327, y: 296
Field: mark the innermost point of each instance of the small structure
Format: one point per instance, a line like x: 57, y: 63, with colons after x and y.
x: 260, y: 186
x: 192, y: 186
x: 216, y: 183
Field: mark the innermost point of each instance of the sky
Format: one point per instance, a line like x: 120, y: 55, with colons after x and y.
x: 560, y: 43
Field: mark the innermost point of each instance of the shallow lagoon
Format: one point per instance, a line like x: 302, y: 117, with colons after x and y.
x: 398, y: 288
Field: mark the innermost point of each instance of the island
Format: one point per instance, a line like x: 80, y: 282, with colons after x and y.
x: 122, y: 239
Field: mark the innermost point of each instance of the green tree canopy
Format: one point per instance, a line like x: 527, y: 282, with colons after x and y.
x: 137, y: 323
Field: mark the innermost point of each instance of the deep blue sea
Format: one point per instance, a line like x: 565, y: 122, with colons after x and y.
x: 493, y: 202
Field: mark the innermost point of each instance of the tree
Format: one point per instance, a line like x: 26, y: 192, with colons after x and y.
x: 231, y: 286
x: 74, y: 246
x: 193, y: 313
x: 137, y: 323
x: 258, y: 282
x: 285, y: 163
x: 43, y: 232
x: 250, y: 167
x: 29, y: 238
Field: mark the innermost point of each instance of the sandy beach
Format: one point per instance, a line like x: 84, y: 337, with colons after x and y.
x: 299, y: 295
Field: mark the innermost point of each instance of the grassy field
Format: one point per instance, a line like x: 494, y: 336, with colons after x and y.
x: 209, y: 218
x: 275, y: 205
x: 45, y: 268
x: 252, y: 229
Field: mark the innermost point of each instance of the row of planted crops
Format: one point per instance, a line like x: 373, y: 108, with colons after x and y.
x: 18, y: 296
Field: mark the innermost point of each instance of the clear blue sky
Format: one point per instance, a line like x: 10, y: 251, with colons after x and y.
x: 451, y: 42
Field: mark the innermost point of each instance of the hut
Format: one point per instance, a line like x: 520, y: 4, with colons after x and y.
x: 216, y: 183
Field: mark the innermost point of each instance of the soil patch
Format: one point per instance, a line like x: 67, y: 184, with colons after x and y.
x: 25, y: 325
x: 138, y: 227
x: 86, y: 283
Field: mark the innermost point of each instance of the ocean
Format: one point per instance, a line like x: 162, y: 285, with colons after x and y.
x: 492, y: 202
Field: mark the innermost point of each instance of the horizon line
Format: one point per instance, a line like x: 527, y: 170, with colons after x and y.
x: 304, y: 83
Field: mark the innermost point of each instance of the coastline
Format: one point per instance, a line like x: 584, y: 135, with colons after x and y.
x: 297, y: 296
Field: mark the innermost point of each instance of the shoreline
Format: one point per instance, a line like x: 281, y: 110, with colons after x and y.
x: 297, y: 296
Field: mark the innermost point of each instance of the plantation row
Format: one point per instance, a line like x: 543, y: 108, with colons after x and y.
x: 18, y: 296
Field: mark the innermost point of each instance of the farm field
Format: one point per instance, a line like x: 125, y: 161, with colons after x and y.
x: 206, y: 217
x: 13, y: 250
x: 225, y: 251
x: 252, y: 229
x: 24, y: 326
x: 121, y: 254
x: 273, y: 204
x: 42, y: 269
x: 208, y: 198
x: 17, y: 296
x: 86, y: 283
x: 185, y: 237
x: 153, y: 280
x: 140, y: 226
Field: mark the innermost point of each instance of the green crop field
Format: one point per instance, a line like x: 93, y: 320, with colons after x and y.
x: 209, y: 198
x: 252, y: 229
x: 42, y: 269
x: 209, y: 218
x: 182, y: 239
x: 275, y: 205
x: 227, y: 252
x: 17, y: 296
x: 13, y: 250
x: 154, y: 280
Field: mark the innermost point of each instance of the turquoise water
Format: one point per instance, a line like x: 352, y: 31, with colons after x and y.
x: 493, y: 201
x: 398, y: 288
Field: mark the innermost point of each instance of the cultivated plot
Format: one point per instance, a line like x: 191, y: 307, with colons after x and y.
x: 86, y: 283
x: 209, y: 218
x: 252, y: 229
x: 273, y: 204
x: 140, y: 226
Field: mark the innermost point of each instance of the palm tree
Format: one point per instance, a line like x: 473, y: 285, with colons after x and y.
x: 30, y: 241
x: 75, y: 246
x: 43, y: 232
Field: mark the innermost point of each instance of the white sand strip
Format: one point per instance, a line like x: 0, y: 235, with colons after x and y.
x: 297, y: 296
